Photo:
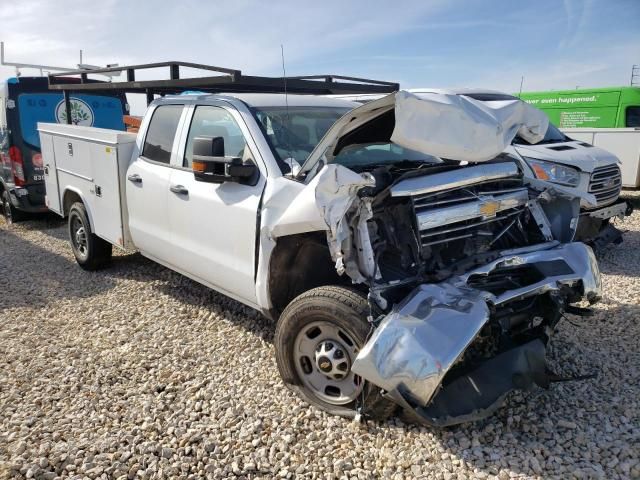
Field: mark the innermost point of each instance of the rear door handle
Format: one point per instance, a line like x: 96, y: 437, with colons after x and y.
x: 179, y: 189
x: 135, y: 178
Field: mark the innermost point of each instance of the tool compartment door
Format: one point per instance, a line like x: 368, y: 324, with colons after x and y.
x: 52, y: 197
x: 104, y: 194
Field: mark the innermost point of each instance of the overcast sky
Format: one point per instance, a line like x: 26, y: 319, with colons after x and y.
x: 421, y: 43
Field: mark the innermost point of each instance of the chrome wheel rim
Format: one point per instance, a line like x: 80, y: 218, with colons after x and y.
x: 323, y: 355
x: 79, y: 236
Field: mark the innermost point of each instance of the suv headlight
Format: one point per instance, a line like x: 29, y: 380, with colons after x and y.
x: 554, y: 172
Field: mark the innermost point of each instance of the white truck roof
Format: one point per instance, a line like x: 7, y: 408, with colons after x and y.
x: 271, y: 99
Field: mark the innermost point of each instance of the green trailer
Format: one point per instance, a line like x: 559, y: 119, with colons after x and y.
x: 612, y: 107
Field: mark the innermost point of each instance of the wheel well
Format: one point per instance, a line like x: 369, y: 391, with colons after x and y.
x: 299, y: 263
x: 70, y: 197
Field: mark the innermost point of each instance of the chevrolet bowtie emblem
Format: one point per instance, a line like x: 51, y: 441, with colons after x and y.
x: 489, y: 209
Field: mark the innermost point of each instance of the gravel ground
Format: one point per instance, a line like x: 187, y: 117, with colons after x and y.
x: 137, y: 372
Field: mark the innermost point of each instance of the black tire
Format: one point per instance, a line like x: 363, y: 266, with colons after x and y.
x: 10, y: 213
x: 347, y: 309
x: 91, y: 251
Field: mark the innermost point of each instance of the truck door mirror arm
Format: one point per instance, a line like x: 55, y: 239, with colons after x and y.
x: 210, y: 164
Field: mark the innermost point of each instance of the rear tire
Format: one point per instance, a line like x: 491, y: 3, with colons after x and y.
x: 324, y: 328
x: 91, y: 251
x: 10, y: 213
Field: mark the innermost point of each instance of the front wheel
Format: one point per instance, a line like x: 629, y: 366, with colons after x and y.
x: 317, y: 338
x: 91, y: 251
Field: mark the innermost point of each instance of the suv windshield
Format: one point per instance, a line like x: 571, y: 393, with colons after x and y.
x: 553, y: 135
x: 295, y: 132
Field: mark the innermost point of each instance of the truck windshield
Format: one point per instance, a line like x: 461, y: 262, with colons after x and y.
x: 295, y: 132
x: 553, y: 135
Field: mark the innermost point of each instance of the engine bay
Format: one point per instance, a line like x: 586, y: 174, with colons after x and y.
x: 431, y: 221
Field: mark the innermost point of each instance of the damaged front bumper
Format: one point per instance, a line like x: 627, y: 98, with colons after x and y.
x: 594, y: 229
x: 619, y: 209
x: 420, y: 340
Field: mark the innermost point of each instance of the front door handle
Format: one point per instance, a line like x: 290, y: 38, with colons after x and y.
x: 135, y: 178
x: 179, y: 189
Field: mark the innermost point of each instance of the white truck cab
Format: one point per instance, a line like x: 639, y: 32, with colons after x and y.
x: 398, y: 279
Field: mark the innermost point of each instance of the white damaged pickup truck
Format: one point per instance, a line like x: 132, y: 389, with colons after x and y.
x: 407, y: 261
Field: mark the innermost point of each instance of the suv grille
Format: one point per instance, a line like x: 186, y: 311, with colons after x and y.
x: 605, y: 184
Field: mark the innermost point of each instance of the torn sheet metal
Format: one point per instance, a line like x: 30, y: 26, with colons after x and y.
x: 366, y: 261
x: 582, y: 269
x: 562, y: 214
x: 556, y: 213
x: 336, y: 194
x: 419, y: 341
x: 416, y: 344
x: 461, y: 128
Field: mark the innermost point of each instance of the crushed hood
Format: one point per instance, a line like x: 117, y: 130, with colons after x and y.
x: 439, y: 124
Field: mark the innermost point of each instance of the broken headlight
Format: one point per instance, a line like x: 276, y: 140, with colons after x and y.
x: 554, y: 172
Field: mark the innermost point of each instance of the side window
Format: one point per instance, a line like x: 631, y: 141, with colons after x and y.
x: 633, y: 117
x: 211, y: 121
x: 161, y: 133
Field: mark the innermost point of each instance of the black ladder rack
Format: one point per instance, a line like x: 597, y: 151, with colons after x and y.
x: 229, y: 80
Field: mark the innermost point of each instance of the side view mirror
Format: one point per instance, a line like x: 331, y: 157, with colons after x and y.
x: 211, y: 165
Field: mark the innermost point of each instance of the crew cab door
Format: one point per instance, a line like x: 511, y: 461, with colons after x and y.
x: 148, y: 183
x: 214, y: 224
